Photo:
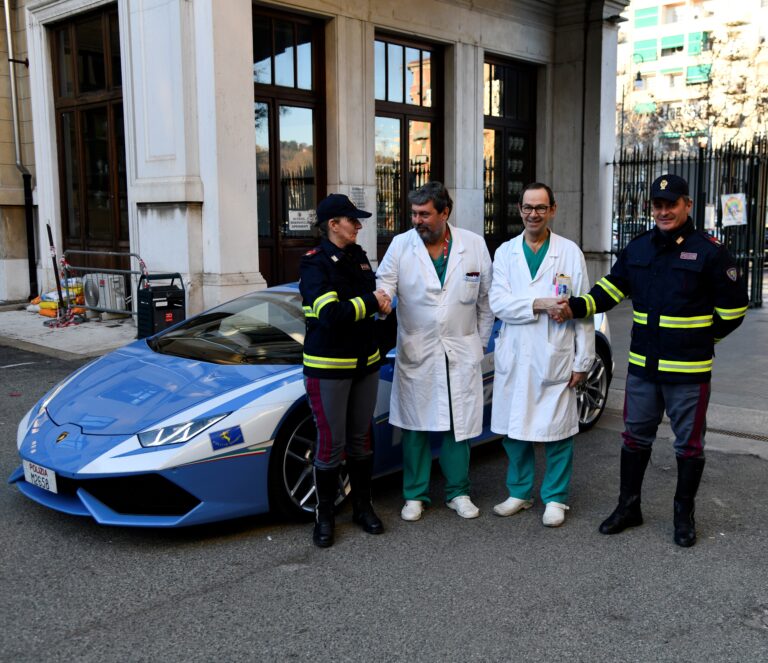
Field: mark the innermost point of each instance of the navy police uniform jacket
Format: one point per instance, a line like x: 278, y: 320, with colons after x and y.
x: 686, y: 296
x: 339, y: 307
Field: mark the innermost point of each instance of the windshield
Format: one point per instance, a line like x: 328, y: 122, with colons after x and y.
x: 265, y: 327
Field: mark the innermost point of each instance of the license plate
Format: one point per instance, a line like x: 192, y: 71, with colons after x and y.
x: 40, y: 476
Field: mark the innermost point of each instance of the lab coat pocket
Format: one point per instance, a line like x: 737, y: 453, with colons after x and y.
x: 560, y: 334
x: 410, y: 349
x: 469, y: 289
x: 554, y: 365
x: 503, y: 353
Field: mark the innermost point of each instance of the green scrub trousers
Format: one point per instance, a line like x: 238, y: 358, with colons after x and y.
x: 557, y: 477
x: 417, y: 463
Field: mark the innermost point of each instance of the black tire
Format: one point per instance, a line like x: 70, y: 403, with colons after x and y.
x: 592, y: 394
x: 291, y: 481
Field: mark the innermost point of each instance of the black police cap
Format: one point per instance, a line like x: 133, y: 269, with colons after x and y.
x: 669, y: 187
x: 337, y: 204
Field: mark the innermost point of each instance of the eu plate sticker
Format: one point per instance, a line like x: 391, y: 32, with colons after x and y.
x: 227, y: 438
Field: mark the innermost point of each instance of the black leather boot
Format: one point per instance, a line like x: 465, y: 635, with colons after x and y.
x: 627, y: 513
x: 360, y: 470
x: 327, y: 486
x: 689, y: 472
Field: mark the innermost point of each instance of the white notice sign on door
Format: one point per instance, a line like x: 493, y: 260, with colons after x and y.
x: 301, y: 219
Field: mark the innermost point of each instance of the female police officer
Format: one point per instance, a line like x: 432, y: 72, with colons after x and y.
x: 341, y: 361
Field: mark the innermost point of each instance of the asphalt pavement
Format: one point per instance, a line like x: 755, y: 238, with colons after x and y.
x: 441, y: 589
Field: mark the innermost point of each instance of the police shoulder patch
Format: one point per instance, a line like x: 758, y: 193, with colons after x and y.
x: 732, y: 273
x: 714, y: 240
x: 312, y: 252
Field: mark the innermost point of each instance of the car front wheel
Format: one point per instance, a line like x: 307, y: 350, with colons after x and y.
x: 291, y: 478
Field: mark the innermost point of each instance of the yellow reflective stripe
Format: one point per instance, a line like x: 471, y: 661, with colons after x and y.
x: 615, y: 294
x: 731, y: 313
x: 685, y: 366
x: 591, y: 306
x: 640, y: 318
x: 329, y: 362
x: 308, y: 312
x: 359, y: 305
x: 322, y: 300
x: 374, y: 358
x: 685, y: 323
x: 638, y: 360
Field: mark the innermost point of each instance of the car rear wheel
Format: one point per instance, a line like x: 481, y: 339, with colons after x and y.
x: 291, y: 479
x: 592, y: 394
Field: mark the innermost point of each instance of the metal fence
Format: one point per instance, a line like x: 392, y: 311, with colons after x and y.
x: 389, y: 219
x: 712, y: 174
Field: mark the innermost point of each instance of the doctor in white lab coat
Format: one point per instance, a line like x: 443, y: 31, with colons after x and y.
x: 538, y: 362
x: 441, y: 276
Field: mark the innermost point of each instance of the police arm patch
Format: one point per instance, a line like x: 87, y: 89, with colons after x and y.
x: 732, y: 273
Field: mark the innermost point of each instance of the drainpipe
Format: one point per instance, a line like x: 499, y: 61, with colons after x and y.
x: 25, y: 174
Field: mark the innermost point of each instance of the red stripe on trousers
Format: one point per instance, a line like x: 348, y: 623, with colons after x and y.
x: 695, y: 446
x: 323, y: 451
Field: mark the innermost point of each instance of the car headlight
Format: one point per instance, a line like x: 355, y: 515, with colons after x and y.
x: 178, y: 433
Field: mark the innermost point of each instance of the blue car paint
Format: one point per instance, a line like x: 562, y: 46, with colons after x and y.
x: 132, y: 388
x: 226, y: 486
x: 145, y: 388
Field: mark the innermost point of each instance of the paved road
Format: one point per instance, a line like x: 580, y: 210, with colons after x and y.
x: 441, y: 589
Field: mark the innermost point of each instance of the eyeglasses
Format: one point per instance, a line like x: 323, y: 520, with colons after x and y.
x: 530, y: 209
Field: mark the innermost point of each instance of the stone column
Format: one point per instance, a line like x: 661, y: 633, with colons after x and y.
x: 350, y: 118
x: 583, y: 124
x: 464, y: 134
x: 229, y: 232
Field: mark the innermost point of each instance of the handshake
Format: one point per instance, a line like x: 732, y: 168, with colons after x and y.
x: 555, y: 307
x: 384, y: 301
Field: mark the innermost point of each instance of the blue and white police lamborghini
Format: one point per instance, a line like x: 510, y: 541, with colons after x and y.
x: 207, y: 421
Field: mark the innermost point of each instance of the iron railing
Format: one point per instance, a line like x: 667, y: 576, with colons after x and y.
x: 711, y: 173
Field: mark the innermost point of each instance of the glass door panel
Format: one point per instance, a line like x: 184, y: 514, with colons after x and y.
x: 387, y: 176
x: 91, y: 69
x: 122, y: 179
x: 263, y: 209
x: 297, y: 170
x: 419, y: 153
x: 71, y: 176
x: 518, y: 174
x: 97, y: 174
x: 493, y: 179
x: 284, y: 54
x: 304, y: 57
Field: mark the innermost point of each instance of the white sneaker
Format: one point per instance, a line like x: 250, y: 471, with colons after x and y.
x: 554, y: 514
x: 511, y: 505
x: 412, y: 510
x: 463, y: 506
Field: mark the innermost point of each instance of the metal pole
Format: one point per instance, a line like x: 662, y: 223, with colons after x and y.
x: 701, y: 199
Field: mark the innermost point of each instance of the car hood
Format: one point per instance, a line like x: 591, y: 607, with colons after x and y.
x: 133, y: 388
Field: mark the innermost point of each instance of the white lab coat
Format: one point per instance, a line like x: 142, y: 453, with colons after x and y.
x: 434, y: 322
x: 534, y: 356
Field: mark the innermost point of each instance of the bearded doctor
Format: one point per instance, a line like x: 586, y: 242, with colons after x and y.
x: 538, y: 362
x: 441, y: 275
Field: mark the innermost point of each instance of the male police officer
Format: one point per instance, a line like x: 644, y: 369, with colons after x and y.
x: 686, y: 296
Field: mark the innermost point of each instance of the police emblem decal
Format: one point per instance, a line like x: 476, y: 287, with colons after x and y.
x: 732, y: 274
x: 663, y: 184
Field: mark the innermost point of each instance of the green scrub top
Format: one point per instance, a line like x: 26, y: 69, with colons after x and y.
x: 441, y: 262
x: 534, y: 260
